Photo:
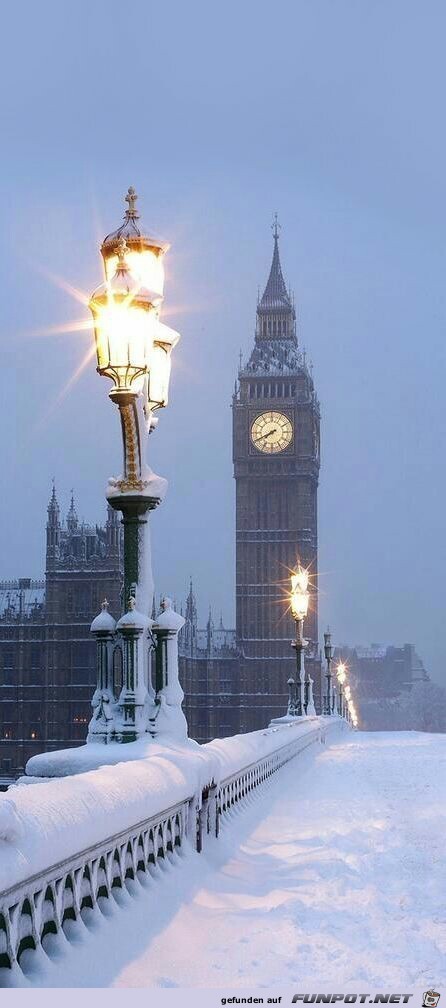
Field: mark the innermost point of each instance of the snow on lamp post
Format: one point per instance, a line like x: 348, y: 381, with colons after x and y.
x: 169, y: 717
x: 299, y: 600
x: 328, y: 651
x: 101, y: 725
x: 291, y: 709
x: 133, y: 349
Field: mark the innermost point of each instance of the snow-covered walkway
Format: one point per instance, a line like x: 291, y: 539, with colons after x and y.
x: 335, y: 873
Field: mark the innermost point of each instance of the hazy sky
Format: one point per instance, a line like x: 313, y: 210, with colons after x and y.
x: 330, y: 112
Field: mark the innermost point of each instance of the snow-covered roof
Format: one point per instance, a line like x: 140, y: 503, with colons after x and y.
x: 21, y: 599
x: 374, y: 651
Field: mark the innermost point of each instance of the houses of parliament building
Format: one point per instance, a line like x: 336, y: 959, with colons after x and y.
x: 234, y: 680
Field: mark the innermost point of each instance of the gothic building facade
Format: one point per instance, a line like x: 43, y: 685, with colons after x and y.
x: 209, y: 676
x: 47, y: 656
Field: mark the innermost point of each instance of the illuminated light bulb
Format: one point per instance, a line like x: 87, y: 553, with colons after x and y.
x: 145, y: 266
x: 299, y: 598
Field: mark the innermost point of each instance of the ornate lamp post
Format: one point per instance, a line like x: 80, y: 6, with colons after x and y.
x: 299, y: 608
x: 328, y: 651
x: 133, y: 349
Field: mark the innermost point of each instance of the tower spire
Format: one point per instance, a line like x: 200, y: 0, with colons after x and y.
x: 52, y: 527
x: 275, y: 296
x: 190, y: 629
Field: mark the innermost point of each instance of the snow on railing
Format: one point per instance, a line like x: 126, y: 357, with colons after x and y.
x: 37, y: 904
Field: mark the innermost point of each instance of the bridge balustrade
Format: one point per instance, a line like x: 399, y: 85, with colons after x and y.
x: 42, y: 904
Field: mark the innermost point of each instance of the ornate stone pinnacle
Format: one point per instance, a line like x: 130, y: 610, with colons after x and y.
x: 105, y: 605
x: 132, y: 603
x: 275, y: 226
x: 131, y: 198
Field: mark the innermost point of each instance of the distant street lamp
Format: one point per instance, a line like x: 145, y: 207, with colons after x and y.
x: 133, y: 349
x: 328, y: 651
x: 349, y: 704
x: 299, y: 601
x: 341, y: 673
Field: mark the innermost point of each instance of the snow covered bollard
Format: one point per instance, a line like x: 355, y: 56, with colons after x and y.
x: 101, y: 725
x: 311, y: 710
x: 131, y: 710
x: 169, y: 719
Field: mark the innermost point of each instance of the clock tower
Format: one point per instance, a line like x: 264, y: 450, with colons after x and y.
x: 276, y: 423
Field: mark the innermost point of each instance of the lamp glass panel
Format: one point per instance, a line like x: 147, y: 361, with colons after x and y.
x: 146, y: 267
x: 299, y: 604
x: 299, y: 580
x: 159, y: 375
x: 124, y: 335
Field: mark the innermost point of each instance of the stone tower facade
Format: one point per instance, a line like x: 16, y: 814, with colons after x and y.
x: 276, y: 436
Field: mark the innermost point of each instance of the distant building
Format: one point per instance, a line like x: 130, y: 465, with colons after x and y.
x: 382, y: 670
x: 47, y: 656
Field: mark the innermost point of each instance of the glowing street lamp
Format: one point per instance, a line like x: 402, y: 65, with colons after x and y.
x: 133, y: 349
x: 341, y: 673
x: 299, y: 601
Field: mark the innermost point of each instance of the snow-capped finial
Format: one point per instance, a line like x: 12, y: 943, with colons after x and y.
x: 131, y: 198
x: 104, y: 622
x: 132, y: 603
x: 275, y: 226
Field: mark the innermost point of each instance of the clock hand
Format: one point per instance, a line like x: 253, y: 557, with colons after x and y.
x: 268, y: 434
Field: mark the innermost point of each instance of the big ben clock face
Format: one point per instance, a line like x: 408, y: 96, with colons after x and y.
x: 271, y: 432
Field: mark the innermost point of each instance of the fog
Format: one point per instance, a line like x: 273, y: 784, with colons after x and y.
x: 330, y: 114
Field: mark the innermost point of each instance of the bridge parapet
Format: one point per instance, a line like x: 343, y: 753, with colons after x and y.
x: 70, y: 843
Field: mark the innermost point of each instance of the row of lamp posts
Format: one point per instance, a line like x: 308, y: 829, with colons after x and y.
x: 300, y: 689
